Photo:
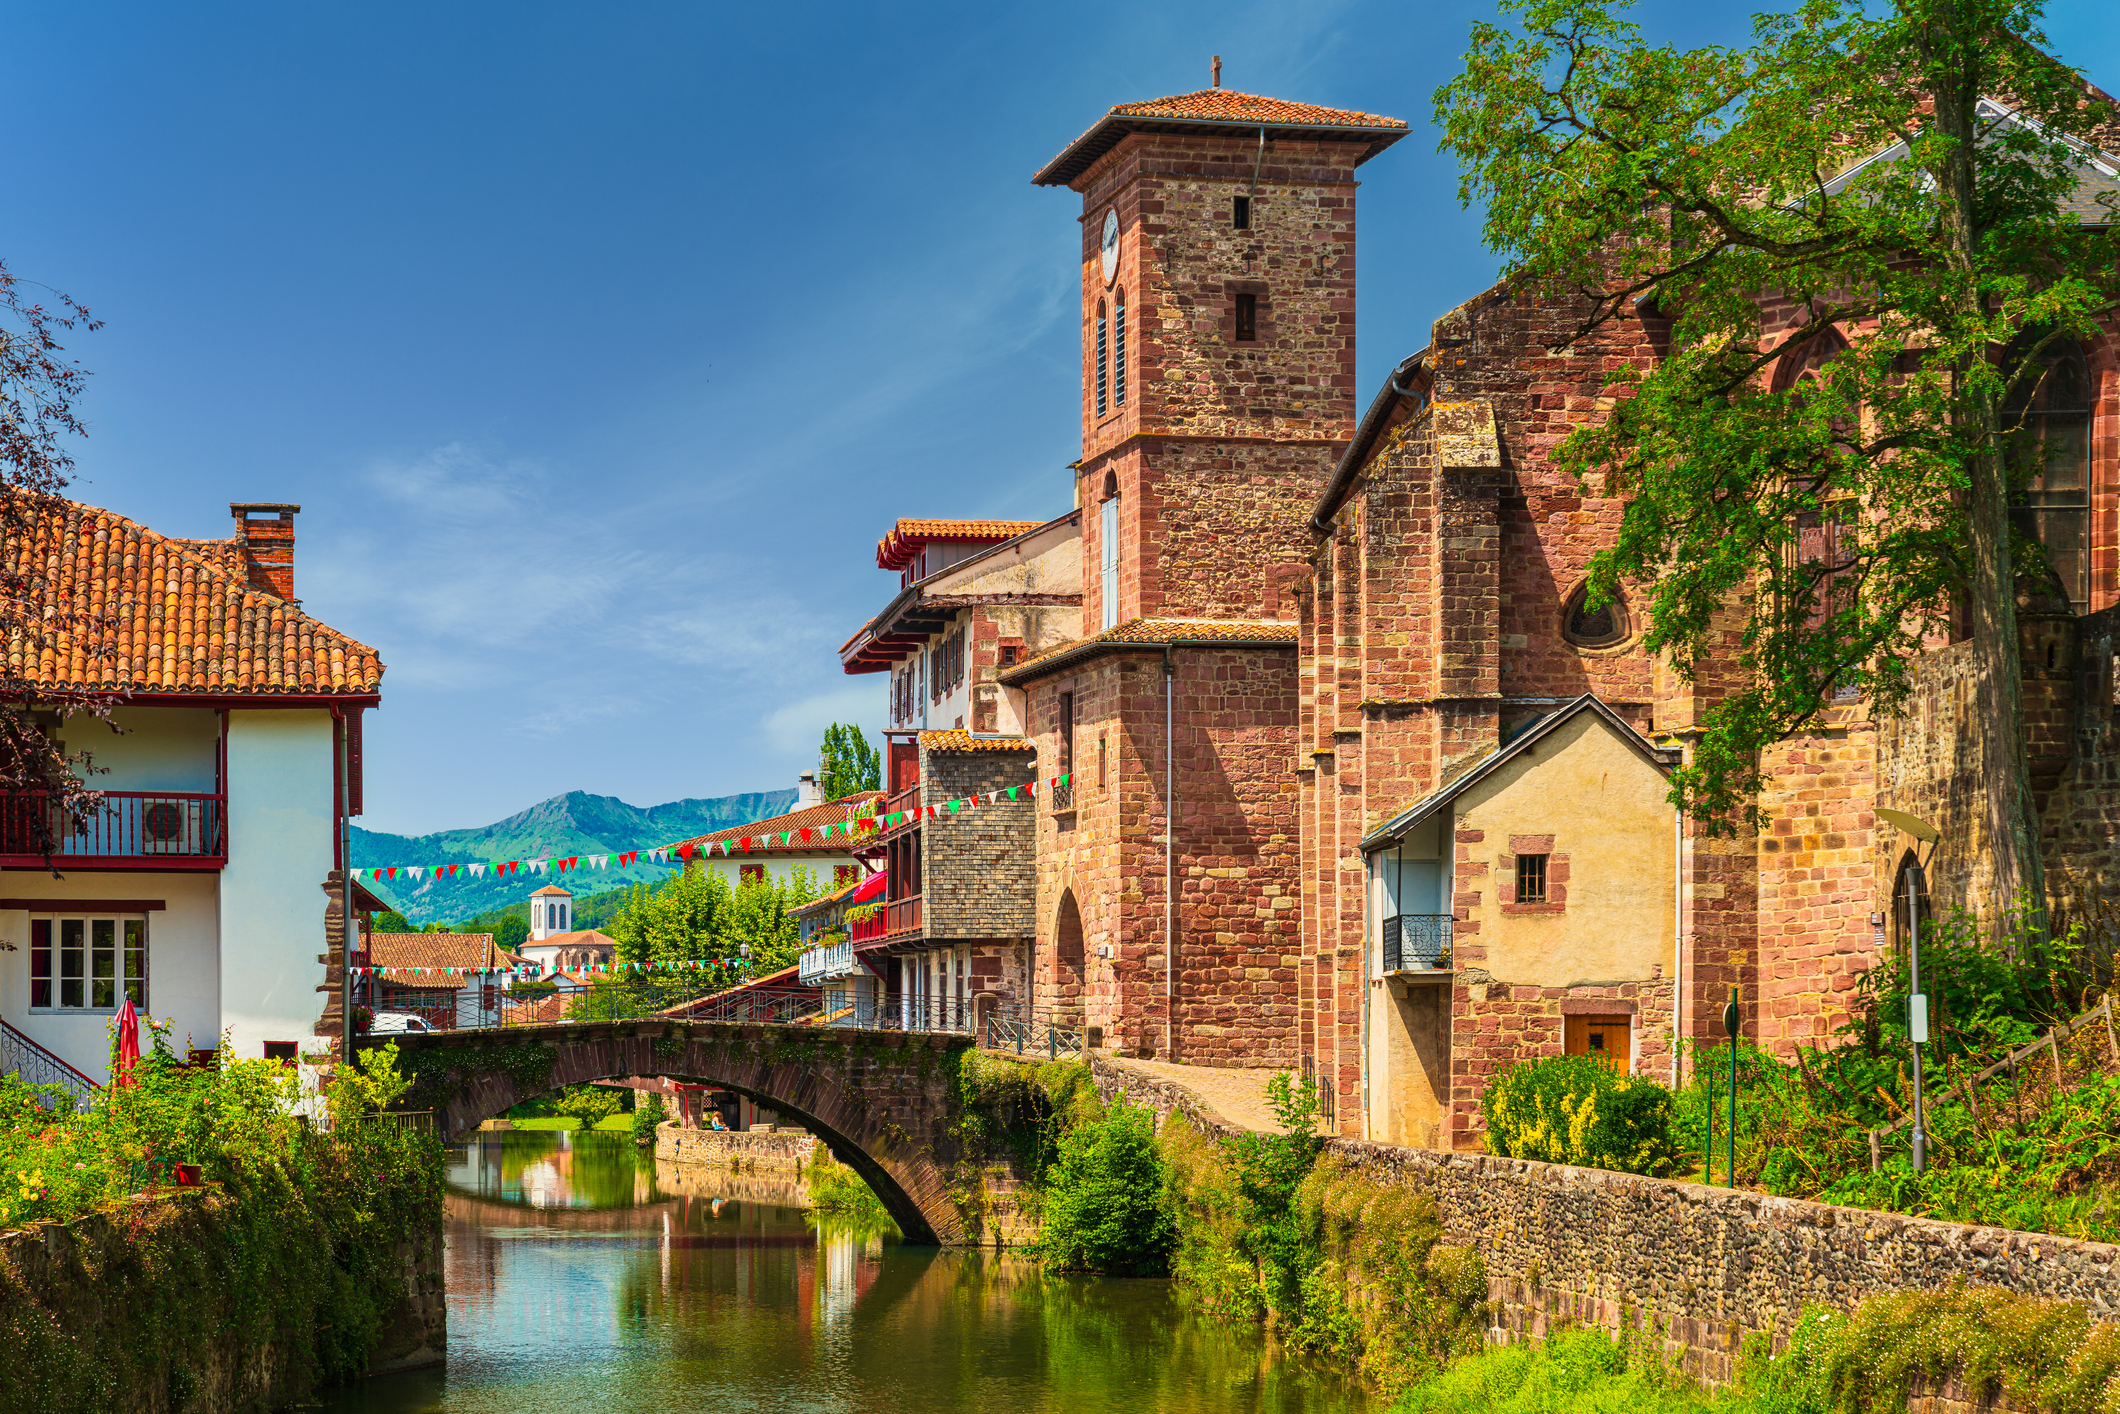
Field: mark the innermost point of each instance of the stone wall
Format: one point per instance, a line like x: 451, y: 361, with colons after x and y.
x: 1705, y: 1267
x: 790, y: 1151
x: 71, y: 1275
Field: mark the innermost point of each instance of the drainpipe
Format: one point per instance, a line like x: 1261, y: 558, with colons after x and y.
x: 1170, y: 841
x: 1678, y: 936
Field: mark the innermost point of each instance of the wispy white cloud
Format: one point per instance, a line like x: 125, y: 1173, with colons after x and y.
x: 800, y: 725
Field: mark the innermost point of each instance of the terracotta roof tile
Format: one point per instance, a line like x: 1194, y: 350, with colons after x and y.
x: 1216, y: 107
x: 552, y: 891
x: 1154, y: 633
x: 174, y: 616
x: 434, y: 950
x: 1228, y: 105
x: 814, y: 818
x: 896, y: 550
x: 958, y: 739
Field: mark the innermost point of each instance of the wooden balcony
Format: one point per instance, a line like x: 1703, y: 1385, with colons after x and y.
x: 902, y: 917
x: 147, y: 830
x: 908, y: 800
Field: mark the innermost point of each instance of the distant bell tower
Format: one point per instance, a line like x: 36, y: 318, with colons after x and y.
x: 551, y: 911
x: 1218, y: 343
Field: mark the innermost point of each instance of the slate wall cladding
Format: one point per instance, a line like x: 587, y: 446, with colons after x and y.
x: 978, y: 871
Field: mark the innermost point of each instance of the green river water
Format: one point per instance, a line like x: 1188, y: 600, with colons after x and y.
x: 582, y: 1276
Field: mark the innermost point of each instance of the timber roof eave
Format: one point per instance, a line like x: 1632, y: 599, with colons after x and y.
x: 854, y: 650
x: 1099, y: 647
x: 1395, y: 829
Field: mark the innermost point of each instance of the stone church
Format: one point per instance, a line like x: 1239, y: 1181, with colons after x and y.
x: 1359, y: 781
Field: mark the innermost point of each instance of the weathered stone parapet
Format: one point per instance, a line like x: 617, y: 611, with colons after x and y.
x: 722, y: 1148
x: 1707, y: 1266
x: 86, y: 1280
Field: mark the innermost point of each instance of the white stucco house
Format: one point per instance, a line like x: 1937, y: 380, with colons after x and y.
x: 201, y: 890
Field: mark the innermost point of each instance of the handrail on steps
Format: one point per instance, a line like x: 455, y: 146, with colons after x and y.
x: 38, y: 1066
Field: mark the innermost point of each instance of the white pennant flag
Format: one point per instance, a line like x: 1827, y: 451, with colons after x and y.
x: 478, y: 871
x: 598, y: 861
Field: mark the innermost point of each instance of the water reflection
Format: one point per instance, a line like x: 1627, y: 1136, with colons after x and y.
x: 582, y: 1275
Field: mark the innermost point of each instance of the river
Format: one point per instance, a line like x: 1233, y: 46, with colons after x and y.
x: 585, y: 1276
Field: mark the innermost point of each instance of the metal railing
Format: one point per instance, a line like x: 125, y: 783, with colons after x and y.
x: 1417, y: 942
x: 821, y: 964
x: 36, y: 1066
x: 683, y: 999
x: 903, y: 916
x: 1006, y: 1030
x: 129, y: 824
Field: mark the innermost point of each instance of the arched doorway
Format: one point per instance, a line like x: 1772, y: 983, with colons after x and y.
x: 1066, y: 980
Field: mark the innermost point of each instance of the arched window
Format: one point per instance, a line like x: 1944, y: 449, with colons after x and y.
x: 1103, y: 361
x: 1108, y: 550
x: 1119, y: 349
x: 1606, y: 626
x: 1827, y: 540
x: 2047, y: 417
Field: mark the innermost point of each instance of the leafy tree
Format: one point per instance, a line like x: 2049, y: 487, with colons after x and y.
x: 1104, y: 1207
x: 1688, y: 184
x: 696, y: 915
x: 39, y: 386
x: 511, y: 933
x: 392, y: 921
x: 846, y: 763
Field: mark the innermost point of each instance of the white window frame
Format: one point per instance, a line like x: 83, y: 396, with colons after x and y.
x: 119, y: 953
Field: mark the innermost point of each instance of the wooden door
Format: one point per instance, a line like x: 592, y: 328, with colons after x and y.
x: 1607, y: 1038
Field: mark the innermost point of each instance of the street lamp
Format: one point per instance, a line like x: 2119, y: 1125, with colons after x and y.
x: 1917, y: 1001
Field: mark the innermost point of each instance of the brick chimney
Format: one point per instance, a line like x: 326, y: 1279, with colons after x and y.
x: 265, y: 535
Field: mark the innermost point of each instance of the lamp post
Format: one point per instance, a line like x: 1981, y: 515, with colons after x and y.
x: 1731, y: 1023
x: 1917, y: 1000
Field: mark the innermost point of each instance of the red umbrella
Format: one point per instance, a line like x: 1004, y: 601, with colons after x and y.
x: 128, y: 1043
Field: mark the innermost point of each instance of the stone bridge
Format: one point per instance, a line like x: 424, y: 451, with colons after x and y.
x: 880, y: 1100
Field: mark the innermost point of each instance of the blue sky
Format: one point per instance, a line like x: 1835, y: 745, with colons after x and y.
x: 599, y: 344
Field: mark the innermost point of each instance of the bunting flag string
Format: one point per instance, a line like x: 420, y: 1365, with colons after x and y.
x: 535, y: 971
x: 684, y: 853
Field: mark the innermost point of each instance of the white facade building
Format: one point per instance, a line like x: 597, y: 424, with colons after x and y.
x: 200, y: 890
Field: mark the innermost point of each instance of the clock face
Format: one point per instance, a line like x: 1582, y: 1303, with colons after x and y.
x: 1111, y: 245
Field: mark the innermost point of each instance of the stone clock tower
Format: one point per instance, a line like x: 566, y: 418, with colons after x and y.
x: 1218, y: 327
x: 1217, y: 393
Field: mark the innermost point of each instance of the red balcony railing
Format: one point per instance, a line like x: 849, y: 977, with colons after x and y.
x: 904, y: 915
x: 862, y: 930
x: 185, y: 829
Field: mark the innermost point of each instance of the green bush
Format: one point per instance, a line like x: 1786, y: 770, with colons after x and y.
x: 1576, y: 1110
x: 837, y: 1191
x: 647, y: 1113
x: 1104, y: 1201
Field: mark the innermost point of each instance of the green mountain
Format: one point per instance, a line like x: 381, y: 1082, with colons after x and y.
x: 574, y: 823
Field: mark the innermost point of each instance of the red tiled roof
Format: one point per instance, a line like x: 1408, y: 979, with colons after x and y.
x: 1216, y: 108
x: 174, y: 615
x: 813, y: 818
x: 553, y: 891
x: 1155, y: 633
x: 580, y: 938
x: 897, y: 549
x: 396, y: 950
x: 1228, y: 105
x: 957, y: 739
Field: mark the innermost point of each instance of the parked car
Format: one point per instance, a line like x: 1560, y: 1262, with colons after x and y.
x: 386, y: 1021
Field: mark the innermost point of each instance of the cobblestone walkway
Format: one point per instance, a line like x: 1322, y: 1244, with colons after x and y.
x: 1237, y: 1097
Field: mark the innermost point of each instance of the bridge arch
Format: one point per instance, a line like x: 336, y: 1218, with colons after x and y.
x: 880, y: 1100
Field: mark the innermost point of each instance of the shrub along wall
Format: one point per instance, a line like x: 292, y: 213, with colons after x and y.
x: 198, y: 1300
x: 1703, y: 1268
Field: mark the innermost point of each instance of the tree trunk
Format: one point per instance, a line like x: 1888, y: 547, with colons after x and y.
x: 1952, y: 47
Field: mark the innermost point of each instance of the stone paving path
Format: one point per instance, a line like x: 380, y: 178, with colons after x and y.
x: 1237, y: 1097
